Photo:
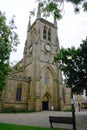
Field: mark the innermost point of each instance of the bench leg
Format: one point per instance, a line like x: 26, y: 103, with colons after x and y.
x: 51, y: 124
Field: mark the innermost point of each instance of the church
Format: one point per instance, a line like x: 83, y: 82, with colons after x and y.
x: 36, y: 82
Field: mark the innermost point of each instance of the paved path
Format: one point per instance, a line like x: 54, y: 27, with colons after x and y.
x: 42, y: 119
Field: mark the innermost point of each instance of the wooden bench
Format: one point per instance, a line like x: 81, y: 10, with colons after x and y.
x: 65, y: 120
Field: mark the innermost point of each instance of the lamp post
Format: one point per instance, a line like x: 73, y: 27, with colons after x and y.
x: 72, y: 102
x: 73, y: 111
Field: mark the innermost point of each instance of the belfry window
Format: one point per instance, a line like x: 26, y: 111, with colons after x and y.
x: 18, y: 93
x: 44, y: 33
x: 49, y: 35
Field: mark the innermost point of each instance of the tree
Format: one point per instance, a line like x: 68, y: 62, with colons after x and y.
x: 55, y: 7
x: 73, y: 64
x: 8, y: 42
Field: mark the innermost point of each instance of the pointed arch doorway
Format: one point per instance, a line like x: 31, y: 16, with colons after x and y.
x: 45, y: 102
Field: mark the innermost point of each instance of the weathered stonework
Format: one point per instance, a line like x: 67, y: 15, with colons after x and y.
x: 37, y: 80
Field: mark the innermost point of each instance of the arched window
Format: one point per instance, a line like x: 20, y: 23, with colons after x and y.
x: 44, y: 33
x: 46, y: 78
x: 49, y: 34
x: 19, y: 92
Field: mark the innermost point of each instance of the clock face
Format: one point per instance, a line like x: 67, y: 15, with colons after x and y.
x: 30, y: 49
x: 48, y: 47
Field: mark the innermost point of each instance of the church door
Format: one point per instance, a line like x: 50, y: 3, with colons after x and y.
x: 45, y: 105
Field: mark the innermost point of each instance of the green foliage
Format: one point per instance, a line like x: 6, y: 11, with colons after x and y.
x: 14, y: 110
x: 68, y: 110
x: 55, y: 7
x: 76, y: 2
x: 8, y: 42
x: 50, y: 7
x: 85, y: 6
x: 74, y: 69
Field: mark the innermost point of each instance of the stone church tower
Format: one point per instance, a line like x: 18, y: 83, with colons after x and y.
x: 36, y: 82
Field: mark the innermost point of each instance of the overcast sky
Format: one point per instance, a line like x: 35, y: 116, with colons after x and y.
x: 72, y: 28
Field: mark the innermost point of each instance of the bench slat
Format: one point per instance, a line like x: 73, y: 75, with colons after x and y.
x: 66, y: 120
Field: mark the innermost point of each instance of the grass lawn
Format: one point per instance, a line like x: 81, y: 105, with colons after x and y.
x: 5, y: 126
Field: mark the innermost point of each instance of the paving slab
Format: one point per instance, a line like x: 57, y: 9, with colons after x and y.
x: 41, y: 119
